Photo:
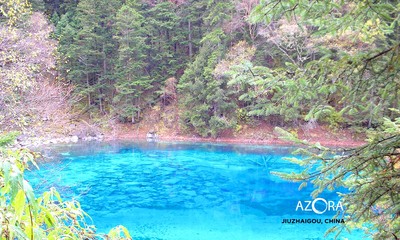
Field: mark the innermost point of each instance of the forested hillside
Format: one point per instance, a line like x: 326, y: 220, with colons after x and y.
x: 207, y: 68
x: 219, y: 64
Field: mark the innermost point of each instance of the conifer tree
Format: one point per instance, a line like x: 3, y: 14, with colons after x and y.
x: 89, y: 51
x: 369, y: 73
x: 203, y: 98
x: 132, y: 79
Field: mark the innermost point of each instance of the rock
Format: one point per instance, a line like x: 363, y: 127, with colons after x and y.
x: 167, y: 170
x: 152, y: 131
x: 188, y: 205
x: 89, y: 138
x: 151, y: 136
x: 22, y: 137
x: 200, y: 200
x: 80, y: 135
x: 171, y: 181
x: 189, y: 193
x: 99, y: 137
x: 175, y: 201
x: 205, y: 191
x: 74, y: 139
x: 147, y: 171
x: 211, y: 196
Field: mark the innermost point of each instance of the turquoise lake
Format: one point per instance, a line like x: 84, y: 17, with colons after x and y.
x: 185, y: 190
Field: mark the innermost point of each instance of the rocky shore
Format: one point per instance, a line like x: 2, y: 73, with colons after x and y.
x: 25, y: 141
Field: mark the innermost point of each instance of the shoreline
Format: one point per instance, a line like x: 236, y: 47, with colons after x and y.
x: 348, y: 143
x: 264, y: 135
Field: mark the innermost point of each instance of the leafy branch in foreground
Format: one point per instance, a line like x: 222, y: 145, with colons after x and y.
x: 371, y: 173
x: 22, y: 216
x: 356, y: 75
x: 347, y: 73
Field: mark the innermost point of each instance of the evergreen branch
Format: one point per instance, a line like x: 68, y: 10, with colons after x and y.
x: 381, y: 53
x: 273, y: 7
x: 292, y: 9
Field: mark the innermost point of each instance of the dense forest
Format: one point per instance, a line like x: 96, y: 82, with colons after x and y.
x: 222, y: 64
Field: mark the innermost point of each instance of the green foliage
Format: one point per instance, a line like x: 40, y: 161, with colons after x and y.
x: 218, y: 124
x: 87, y: 49
x: 354, y: 80
x: 118, y: 56
x: 208, y: 104
x: 8, y: 138
x: 203, y: 99
x: 336, y: 62
x: 23, y: 216
x: 371, y: 174
x: 132, y: 79
x: 293, y: 62
x: 326, y: 114
x: 164, y: 58
x: 353, y: 70
x: 38, y: 5
x: 270, y: 92
x: 242, y: 116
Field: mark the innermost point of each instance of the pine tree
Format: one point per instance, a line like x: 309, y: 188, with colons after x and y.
x: 163, y: 39
x: 133, y: 81
x: 202, y: 95
x: 88, y: 48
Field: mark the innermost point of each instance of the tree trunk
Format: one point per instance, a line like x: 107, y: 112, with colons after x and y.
x: 190, y: 39
x: 138, y: 106
x: 395, y: 103
x: 104, y: 74
x: 88, y: 86
x: 100, y: 100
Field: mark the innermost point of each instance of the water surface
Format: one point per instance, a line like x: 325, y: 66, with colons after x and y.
x: 184, y: 190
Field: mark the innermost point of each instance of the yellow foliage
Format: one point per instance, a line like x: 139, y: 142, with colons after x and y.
x: 239, y: 53
x: 14, y: 9
x: 371, y: 31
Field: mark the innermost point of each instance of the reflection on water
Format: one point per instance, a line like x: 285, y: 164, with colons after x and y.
x: 183, y: 190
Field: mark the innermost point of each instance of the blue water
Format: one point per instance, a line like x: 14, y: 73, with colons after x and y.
x: 184, y: 191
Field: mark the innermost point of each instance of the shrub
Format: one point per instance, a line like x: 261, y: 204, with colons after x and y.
x: 22, y: 216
